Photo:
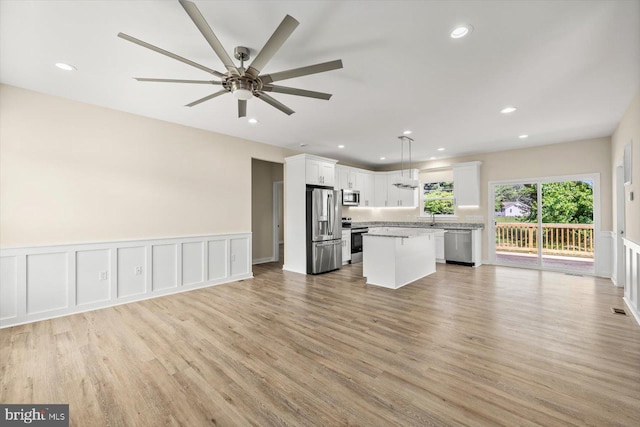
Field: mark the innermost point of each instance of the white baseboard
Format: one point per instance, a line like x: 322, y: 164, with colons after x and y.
x: 38, y: 283
x: 263, y: 260
x: 632, y: 309
x: 293, y: 270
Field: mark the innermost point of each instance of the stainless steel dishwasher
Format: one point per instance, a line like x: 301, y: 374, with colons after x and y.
x: 458, y: 247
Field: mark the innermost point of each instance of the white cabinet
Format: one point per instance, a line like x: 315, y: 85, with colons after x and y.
x: 367, y: 190
x: 440, y: 247
x: 401, y: 197
x: 466, y: 184
x: 346, y: 246
x: 380, y: 190
x: 320, y: 172
x: 376, y: 188
x: 348, y: 178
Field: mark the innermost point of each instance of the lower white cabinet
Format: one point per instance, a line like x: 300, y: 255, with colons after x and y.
x: 440, y: 248
x: 346, y: 246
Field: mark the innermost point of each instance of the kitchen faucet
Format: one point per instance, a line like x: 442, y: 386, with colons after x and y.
x: 433, y: 219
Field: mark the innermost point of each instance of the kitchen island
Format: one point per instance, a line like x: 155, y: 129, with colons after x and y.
x: 395, y: 256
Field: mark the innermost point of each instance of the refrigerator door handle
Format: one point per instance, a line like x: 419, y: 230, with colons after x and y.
x: 329, y: 207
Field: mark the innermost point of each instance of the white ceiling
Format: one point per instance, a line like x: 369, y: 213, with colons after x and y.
x: 571, y: 68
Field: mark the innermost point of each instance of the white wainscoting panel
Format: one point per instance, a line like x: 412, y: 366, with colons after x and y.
x: 218, y: 264
x: 632, y: 277
x: 8, y: 287
x: 165, y: 267
x: 47, y: 282
x: 93, y: 276
x: 192, y: 263
x: 38, y: 283
x: 240, y: 259
x: 132, y: 271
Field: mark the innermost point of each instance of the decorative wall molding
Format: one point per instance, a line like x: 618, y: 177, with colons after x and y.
x: 44, y: 282
x: 632, y: 277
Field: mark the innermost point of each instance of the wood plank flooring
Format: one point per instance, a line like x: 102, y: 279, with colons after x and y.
x: 487, y: 346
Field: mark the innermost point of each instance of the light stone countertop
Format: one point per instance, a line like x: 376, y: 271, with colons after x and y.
x: 405, y: 233
x: 421, y: 225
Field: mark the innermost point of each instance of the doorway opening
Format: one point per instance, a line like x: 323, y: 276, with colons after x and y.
x: 266, y: 211
x: 546, y: 223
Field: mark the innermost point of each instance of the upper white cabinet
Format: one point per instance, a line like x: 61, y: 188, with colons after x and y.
x: 380, y: 190
x: 367, y: 189
x: 348, y: 178
x: 376, y: 188
x: 466, y: 183
x: 320, y: 171
x: 401, y: 197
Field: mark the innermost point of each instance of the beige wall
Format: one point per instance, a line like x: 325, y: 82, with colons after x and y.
x: 570, y: 158
x: 263, y: 175
x: 628, y: 131
x: 72, y: 172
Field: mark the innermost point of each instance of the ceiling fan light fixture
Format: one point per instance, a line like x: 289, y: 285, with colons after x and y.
x: 242, y: 94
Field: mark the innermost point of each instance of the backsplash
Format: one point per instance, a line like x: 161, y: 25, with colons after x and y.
x: 360, y: 214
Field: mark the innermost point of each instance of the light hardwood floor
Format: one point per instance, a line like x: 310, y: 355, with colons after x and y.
x: 486, y: 346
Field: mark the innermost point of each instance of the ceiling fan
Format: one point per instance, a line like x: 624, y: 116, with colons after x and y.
x: 244, y: 83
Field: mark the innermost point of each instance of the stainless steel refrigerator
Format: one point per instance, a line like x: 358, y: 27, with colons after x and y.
x: 324, y: 230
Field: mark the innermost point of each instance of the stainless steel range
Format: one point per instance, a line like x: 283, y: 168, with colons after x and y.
x: 356, y: 239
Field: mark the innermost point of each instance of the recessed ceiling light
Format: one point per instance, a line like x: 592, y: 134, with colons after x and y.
x: 65, y: 67
x: 440, y: 149
x: 383, y: 158
x: 303, y: 145
x: 253, y: 121
x: 432, y: 158
x: 508, y: 110
x: 461, y: 31
x: 406, y: 132
x: 523, y: 136
x: 340, y: 146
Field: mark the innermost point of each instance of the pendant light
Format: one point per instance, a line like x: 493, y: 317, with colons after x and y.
x: 407, y: 182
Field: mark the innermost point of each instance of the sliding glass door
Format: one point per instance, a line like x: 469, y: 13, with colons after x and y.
x: 567, y: 225
x: 544, y: 223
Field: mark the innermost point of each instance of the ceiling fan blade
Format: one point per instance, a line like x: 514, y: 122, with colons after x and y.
x: 242, y: 108
x: 197, y: 18
x: 302, y: 71
x: 206, y: 98
x: 294, y: 91
x: 275, y: 42
x: 269, y: 100
x: 169, y: 54
x: 202, y: 82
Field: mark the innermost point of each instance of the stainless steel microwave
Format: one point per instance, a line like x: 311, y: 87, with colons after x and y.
x: 350, y: 198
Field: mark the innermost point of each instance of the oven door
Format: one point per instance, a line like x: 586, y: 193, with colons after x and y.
x: 356, y: 245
